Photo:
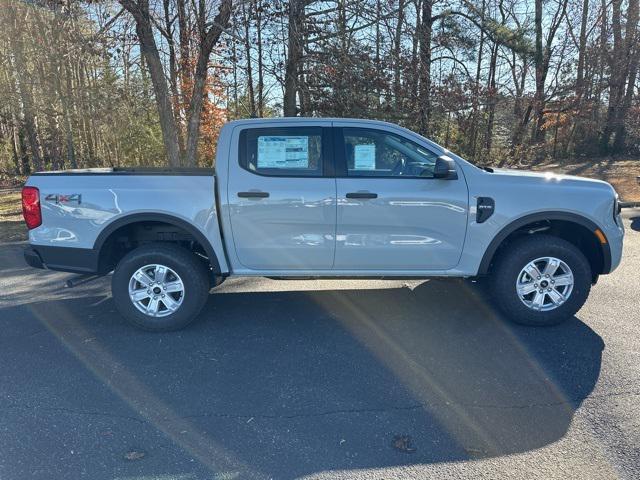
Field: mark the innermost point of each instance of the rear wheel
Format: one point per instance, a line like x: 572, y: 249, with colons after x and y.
x: 160, y: 287
x: 540, y: 280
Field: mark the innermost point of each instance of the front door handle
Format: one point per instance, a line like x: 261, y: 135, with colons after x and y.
x: 362, y: 195
x: 253, y: 194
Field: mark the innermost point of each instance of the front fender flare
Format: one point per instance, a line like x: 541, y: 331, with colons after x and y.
x: 537, y: 217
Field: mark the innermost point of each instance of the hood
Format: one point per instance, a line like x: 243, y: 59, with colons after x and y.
x: 548, y: 178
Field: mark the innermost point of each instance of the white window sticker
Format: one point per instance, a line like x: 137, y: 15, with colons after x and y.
x: 364, y: 157
x: 283, y: 152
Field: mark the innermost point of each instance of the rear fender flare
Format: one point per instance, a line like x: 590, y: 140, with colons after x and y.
x: 164, y: 218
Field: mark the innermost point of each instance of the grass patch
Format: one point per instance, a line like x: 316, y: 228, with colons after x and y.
x: 12, y: 227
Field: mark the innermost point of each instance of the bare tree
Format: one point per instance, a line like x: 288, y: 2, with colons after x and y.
x: 542, y: 59
x: 208, y: 34
x: 623, y: 63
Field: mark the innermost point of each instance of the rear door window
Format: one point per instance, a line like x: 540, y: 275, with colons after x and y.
x: 283, y: 152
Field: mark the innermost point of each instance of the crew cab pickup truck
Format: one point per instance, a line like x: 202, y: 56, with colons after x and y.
x: 302, y: 197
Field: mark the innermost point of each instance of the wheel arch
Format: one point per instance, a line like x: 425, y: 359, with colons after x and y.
x: 603, y: 263
x: 139, y: 218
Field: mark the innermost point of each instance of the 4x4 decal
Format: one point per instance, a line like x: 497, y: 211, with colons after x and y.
x: 64, y: 199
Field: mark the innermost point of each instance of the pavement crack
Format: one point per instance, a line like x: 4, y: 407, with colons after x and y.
x: 72, y: 411
x: 345, y: 411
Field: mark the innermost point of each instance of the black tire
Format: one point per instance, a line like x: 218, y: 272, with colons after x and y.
x: 516, y: 256
x: 185, y: 264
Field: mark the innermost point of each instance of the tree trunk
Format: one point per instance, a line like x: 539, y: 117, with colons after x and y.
x: 632, y: 54
x: 185, y: 70
x: 258, y: 14
x: 476, y: 94
x: 491, y: 84
x: 294, y: 57
x: 173, y: 62
x: 540, y: 77
x: 414, y: 77
x: 623, y: 66
x: 424, y: 68
x: 144, y: 30
x: 246, y: 17
x: 602, y: 58
x: 542, y: 58
x: 582, y: 47
x: 397, y: 53
x: 209, y: 40
x: 24, y: 89
x: 522, y: 118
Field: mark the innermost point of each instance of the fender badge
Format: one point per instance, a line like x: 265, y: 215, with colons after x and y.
x: 73, y: 198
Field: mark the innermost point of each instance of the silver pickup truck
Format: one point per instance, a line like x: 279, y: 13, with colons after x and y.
x: 300, y: 197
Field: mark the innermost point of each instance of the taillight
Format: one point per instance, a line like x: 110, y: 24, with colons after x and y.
x: 31, y: 207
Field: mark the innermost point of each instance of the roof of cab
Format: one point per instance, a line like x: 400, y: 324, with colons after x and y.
x: 249, y: 121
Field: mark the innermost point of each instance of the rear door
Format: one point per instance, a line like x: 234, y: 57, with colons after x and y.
x: 282, y: 197
x: 392, y: 214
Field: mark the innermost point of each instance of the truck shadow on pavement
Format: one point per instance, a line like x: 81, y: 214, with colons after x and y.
x: 288, y: 383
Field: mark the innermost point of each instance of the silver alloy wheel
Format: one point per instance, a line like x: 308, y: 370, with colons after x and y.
x: 156, y: 290
x: 544, y: 284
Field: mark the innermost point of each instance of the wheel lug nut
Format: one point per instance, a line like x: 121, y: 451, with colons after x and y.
x: 541, y: 291
x: 539, y: 278
x: 548, y: 289
x: 535, y: 285
x: 553, y: 281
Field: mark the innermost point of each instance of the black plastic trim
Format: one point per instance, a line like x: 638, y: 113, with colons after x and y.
x: 64, y: 259
x: 484, y: 209
x: 32, y: 258
x: 361, y: 195
x: 159, y: 217
x: 253, y: 194
x: 537, y: 217
x: 216, y: 194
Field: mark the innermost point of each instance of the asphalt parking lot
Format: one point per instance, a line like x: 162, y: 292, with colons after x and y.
x: 317, y: 379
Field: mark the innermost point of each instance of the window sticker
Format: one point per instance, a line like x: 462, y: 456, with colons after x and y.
x: 364, y: 157
x: 283, y: 152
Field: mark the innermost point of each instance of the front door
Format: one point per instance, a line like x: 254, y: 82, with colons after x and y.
x: 392, y: 214
x: 282, y: 197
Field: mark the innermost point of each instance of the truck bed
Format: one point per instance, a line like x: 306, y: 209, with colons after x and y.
x: 82, y: 209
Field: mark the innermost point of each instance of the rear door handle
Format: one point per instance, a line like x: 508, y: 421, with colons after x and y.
x: 362, y: 195
x: 253, y: 194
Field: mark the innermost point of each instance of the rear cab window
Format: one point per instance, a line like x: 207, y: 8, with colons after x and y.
x: 283, y: 151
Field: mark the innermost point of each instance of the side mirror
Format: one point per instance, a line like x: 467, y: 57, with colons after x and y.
x: 445, y: 168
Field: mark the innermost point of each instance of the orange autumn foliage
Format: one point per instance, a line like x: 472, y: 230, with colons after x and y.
x: 212, y: 116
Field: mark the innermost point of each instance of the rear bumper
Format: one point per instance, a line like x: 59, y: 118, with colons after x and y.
x: 64, y: 259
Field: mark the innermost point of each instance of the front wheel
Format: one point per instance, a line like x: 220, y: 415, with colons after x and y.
x: 160, y: 287
x: 540, y: 280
